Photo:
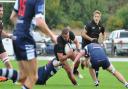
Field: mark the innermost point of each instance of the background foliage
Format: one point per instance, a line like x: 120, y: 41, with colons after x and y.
x: 75, y: 13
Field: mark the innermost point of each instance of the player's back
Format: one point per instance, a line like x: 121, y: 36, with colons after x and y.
x: 96, y: 52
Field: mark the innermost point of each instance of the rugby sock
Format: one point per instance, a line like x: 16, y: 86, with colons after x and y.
x: 97, y: 73
x: 24, y: 87
x: 126, y: 84
x: 9, y: 74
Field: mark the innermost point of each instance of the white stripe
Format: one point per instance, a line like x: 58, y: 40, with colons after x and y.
x: 4, y: 70
x: 16, y: 5
x: 10, y: 73
x: 18, y: 76
x: 5, y: 59
x: 30, y: 51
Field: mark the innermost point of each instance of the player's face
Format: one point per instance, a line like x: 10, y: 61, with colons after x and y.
x: 66, y: 36
x: 96, y: 18
x: 1, y: 12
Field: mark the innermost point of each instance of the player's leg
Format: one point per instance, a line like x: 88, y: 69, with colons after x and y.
x: 31, y: 72
x: 69, y: 72
x: 92, y: 70
x: 10, y: 74
x: 22, y: 71
x: 5, y: 60
x: 118, y: 75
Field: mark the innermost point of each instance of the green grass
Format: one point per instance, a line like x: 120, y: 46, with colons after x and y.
x: 61, y: 81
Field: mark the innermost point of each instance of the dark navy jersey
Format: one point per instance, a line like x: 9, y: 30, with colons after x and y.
x: 45, y: 72
x: 95, y: 52
x: 26, y: 10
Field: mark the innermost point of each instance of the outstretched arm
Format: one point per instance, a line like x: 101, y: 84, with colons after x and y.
x: 82, y: 53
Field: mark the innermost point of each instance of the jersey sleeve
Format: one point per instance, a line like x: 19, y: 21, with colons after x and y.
x: 87, y: 26
x: 16, y: 6
x: 40, y: 8
x: 72, y: 35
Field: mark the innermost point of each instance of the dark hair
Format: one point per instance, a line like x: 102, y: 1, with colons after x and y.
x: 1, y: 5
x: 65, y: 31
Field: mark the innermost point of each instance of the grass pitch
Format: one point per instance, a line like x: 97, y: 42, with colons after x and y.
x: 61, y: 81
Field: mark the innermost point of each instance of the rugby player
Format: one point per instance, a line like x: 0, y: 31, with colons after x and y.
x: 67, y: 37
x: 24, y: 44
x: 98, y: 59
x: 3, y: 53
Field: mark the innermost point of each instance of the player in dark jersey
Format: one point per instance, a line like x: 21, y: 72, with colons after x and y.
x: 67, y: 36
x: 98, y: 58
x: 44, y: 72
x: 3, y: 53
x: 92, y: 31
x: 24, y: 44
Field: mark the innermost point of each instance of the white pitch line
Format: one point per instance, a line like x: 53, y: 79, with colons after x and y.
x: 51, y: 57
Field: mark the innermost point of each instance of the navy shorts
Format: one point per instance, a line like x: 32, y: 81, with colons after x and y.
x: 24, y: 47
x: 96, y: 64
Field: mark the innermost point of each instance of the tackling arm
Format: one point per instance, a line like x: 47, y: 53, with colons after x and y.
x: 82, y: 53
x: 41, y: 24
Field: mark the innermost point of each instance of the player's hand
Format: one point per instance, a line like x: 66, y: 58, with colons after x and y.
x: 11, y: 36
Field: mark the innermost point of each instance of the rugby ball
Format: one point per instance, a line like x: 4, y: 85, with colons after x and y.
x: 68, y: 47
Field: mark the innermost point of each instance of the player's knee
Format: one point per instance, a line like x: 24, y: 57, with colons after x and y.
x: 112, y: 69
x: 34, y: 77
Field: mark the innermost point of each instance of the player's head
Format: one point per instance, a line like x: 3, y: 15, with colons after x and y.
x: 97, y: 16
x: 65, y: 34
x: 1, y: 10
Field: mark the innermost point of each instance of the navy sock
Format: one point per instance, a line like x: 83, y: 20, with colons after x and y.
x: 97, y: 74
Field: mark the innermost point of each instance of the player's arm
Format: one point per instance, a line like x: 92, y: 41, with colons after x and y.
x: 85, y: 36
x: 14, y: 16
x: 40, y: 20
x: 6, y: 35
x: 63, y: 57
x: 80, y: 54
x: 41, y: 24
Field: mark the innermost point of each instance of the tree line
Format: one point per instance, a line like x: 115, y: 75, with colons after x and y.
x: 76, y: 13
